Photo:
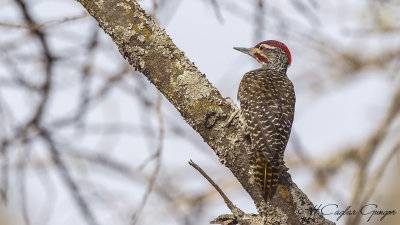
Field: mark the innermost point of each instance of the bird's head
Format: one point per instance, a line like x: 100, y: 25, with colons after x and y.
x: 270, y: 54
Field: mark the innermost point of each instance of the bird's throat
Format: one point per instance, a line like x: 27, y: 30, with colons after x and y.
x: 274, y: 66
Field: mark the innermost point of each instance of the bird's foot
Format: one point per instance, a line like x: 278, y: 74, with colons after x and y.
x: 242, y: 124
x: 235, y: 112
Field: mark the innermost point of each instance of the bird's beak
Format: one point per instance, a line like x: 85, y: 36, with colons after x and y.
x: 248, y: 51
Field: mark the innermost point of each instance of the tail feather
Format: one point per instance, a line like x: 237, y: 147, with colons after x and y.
x: 270, y: 183
x: 266, y: 175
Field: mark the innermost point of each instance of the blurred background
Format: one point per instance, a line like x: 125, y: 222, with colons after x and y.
x: 84, y: 139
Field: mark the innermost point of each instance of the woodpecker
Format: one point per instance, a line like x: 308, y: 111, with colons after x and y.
x: 267, y: 102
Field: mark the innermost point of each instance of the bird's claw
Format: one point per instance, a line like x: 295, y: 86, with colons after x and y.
x: 237, y: 113
x: 242, y: 124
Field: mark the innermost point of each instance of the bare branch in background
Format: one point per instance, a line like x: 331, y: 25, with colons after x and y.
x: 157, y: 157
x: 259, y: 28
x: 69, y: 181
x: 217, y: 10
x: 48, y: 24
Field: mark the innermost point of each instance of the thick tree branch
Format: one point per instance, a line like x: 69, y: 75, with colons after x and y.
x: 149, y: 49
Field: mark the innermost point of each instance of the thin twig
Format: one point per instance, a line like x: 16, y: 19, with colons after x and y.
x: 48, y: 63
x: 367, y: 151
x: 217, y: 10
x: 49, y: 203
x: 22, y: 185
x: 157, y: 156
x: 259, y: 20
x: 68, y: 180
x: 4, y: 185
x: 235, y: 210
x: 85, y: 77
x: 41, y: 25
x: 371, y: 186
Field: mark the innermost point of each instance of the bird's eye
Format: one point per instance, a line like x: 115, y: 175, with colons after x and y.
x: 261, y: 47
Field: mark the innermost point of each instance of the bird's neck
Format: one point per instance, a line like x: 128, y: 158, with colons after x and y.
x: 278, y: 67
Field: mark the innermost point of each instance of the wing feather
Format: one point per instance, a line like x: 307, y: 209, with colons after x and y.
x: 267, y: 102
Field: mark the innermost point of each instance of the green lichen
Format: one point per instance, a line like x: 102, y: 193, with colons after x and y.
x: 284, y: 192
x: 201, y: 107
x: 143, y: 31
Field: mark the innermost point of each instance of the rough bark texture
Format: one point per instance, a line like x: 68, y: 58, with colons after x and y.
x: 149, y: 49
